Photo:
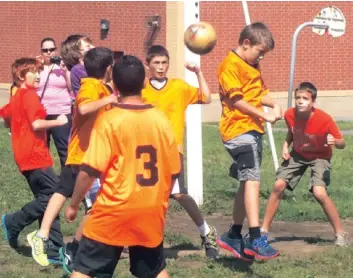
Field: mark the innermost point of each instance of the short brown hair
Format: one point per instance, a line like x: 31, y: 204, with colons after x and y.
x: 70, y: 49
x: 23, y: 65
x: 257, y: 33
x: 308, y: 87
x: 156, y: 50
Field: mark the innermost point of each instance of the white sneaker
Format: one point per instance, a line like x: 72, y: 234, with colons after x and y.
x: 342, y: 239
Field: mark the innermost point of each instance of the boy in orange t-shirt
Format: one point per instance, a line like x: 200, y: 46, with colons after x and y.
x: 134, y: 151
x: 243, y: 94
x: 313, y: 134
x: 93, y: 99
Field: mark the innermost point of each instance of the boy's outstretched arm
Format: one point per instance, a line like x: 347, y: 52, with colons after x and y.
x: 41, y: 124
x: 5, y: 114
x: 338, y: 143
x: 238, y: 103
x: 205, y: 90
x: 94, y: 106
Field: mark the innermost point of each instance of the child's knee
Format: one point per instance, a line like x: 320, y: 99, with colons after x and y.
x: 179, y: 196
x: 319, y: 192
x: 279, y: 187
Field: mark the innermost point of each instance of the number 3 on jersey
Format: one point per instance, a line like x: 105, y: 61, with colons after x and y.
x: 149, y: 165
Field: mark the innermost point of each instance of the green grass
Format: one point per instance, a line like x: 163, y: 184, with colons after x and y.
x: 296, y: 206
x: 343, y: 125
x: 218, y: 195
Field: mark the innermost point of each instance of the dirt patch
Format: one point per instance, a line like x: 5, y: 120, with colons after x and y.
x: 291, y: 238
x: 296, y: 239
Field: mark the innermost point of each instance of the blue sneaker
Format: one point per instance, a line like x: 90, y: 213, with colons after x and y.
x: 67, y: 256
x: 235, y: 246
x: 10, y: 236
x: 260, y: 249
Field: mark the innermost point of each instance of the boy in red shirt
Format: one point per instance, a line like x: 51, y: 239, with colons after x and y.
x: 25, y: 115
x: 314, y: 134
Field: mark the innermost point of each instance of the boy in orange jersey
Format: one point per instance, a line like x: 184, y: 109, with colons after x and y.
x: 25, y: 115
x: 172, y: 97
x: 313, y: 134
x: 133, y: 150
x: 93, y: 99
x: 243, y: 94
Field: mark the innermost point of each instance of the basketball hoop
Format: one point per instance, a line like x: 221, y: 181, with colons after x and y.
x: 329, y: 20
x: 334, y: 18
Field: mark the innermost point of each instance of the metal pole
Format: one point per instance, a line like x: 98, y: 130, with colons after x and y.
x: 268, y: 125
x: 193, y: 115
x: 294, y: 53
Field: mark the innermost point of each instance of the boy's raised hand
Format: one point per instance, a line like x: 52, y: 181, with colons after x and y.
x: 62, y: 119
x: 193, y: 67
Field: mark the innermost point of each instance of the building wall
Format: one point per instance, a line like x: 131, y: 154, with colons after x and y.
x: 25, y: 24
x: 323, y: 60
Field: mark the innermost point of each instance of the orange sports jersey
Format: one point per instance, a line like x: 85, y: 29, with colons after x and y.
x: 310, y: 135
x: 173, y: 100
x: 91, y: 90
x: 238, y: 78
x: 134, y: 149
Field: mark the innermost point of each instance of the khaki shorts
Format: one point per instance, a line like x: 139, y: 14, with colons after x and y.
x: 293, y: 169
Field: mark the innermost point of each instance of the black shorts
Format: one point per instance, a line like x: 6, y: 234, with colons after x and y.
x: 97, y: 259
x: 67, y: 182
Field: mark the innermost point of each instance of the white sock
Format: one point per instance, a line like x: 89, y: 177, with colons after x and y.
x: 263, y: 231
x: 40, y: 236
x: 204, y: 229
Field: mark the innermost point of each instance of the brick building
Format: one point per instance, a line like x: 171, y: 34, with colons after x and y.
x: 321, y: 59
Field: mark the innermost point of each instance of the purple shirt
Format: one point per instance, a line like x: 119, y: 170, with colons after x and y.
x: 77, y: 72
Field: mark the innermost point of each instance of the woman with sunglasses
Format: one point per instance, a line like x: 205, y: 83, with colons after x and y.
x: 55, y: 95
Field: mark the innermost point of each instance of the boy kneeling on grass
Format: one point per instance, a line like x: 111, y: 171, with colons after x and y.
x: 314, y: 134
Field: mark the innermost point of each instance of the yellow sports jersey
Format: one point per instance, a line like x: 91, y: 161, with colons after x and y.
x: 238, y: 78
x: 172, y: 100
x: 91, y: 90
x: 134, y: 149
x: 13, y: 90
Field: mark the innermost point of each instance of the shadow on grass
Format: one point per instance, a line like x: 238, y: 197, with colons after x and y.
x: 237, y: 265
x: 172, y: 252
x: 25, y: 251
x: 308, y: 240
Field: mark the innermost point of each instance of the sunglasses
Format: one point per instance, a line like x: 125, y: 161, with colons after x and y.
x: 46, y: 50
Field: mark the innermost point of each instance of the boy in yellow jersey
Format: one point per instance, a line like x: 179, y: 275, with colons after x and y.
x: 243, y: 95
x: 92, y: 100
x: 172, y: 97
